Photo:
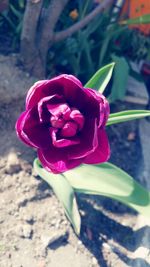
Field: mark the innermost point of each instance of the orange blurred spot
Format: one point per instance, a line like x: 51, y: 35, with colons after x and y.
x: 74, y: 14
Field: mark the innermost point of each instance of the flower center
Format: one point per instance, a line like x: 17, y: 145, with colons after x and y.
x: 68, y: 120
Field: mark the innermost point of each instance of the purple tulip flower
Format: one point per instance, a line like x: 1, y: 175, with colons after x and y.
x: 66, y: 123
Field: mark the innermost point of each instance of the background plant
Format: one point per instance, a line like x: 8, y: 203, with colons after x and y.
x: 11, y: 20
x: 70, y: 42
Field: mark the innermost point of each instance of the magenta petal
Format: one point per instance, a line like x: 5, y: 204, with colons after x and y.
x: 62, y: 142
x: 88, y: 141
x: 73, y: 91
x: 102, y: 153
x: 69, y: 129
x: 77, y: 117
x: 56, y: 160
x: 31, y: 131
x: 104, y: 110
x: 42, y: 89
x: 99, y: 108
x: 48, y: 100
x: 73, y: 78
x: 19, y: 129
x: 50, y: 87
x: 58, y: 109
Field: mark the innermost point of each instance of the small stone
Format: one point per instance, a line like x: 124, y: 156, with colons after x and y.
x: 53, y: 222
x: 131, y: 136
x: 79, y: 243
x: 94, y: 261
x: 57, y: 225
x: 58, y: 236
x: 16, y: 214
x: 82, y: 212
x: 64, y: 222
x: 13, y: 165
x: 106, y: 246
x: 25, y: 231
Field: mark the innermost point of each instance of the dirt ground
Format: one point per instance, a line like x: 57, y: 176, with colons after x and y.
x: 33, y: 228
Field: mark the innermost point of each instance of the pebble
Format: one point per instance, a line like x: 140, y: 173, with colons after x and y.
x: 16, y: 214
x: 53, y: 238
x: 94, y: 261
x: 12, y: 165
x: 53, y: 222
x: 79, y: 243
x: 25, y: 231
x: 57, y: 225
x: 8, y: 182
x: 64, y: 222
x: 106, y: 246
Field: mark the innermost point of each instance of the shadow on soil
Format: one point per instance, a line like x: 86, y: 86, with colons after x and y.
x: 98, y: 228
x: 103, y: 228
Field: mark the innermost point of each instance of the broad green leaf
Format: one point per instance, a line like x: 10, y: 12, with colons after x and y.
x: 101, y: 78
x: 127, y: 115
x: 108, y: 180
x: 120, y: 78
x: 145, y: 19
x: 64, y: 193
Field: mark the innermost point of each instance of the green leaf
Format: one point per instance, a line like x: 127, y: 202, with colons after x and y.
x: 120, y: 78
x: 17, y: 13
x: 110, y: 181
x: 63, y: 191
x: 145, y: 19
x: 104, y: 51
x: 101, y: 78
x: 127, y: 115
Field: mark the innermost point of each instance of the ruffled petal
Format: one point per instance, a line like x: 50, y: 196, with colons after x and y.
x: 57, y: 109
x: 31, y: 131
x: 101, y: 109
x: 62, y: 142
x: 56, y: 160
x: 42, y: 89
x: 102, y: 153
x: 19, y: 129
x: 76, y: 116
x: 53, y: 100
x: 50, y: 87
x: 88, y: 141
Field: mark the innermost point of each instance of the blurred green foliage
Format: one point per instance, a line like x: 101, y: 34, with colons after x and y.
x: 11, y: 21
x: 83, y: 53
x: 94, y: 46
